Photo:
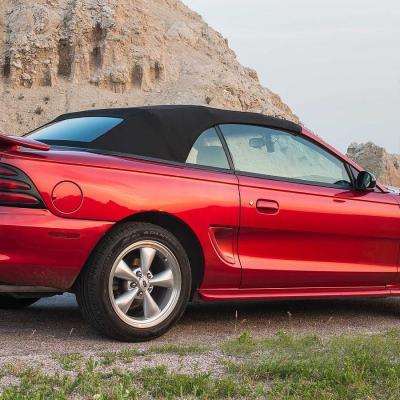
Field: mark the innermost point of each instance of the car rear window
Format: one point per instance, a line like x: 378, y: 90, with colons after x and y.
x: 78, y: 132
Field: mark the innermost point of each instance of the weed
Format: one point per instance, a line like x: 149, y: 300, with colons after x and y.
x: 69, y: 362
x: 177, y: 349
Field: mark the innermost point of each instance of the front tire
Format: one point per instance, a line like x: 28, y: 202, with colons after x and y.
x: 14, y: 303
x: 136, y: 284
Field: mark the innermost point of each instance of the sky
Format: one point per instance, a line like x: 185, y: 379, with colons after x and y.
x: 336, y: 63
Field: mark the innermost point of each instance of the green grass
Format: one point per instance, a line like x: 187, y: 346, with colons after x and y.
x: 244, y: 345
x: 69, y: 361
x: 35, y: 385
x: 344, y: 367
x: 280, y: 367
x: 177, y: 349
x: 91, y: 382
x: 159, y: 383
x: 126, y: 356
x: 130, y: 355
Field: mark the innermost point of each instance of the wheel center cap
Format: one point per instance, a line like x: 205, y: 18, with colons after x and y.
x: 143, y: 284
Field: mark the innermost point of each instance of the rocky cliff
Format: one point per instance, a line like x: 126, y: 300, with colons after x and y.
x: 376, y: 159
x: 66, y: 55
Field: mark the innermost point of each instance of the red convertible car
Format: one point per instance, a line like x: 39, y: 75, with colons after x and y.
x: 138, y: 210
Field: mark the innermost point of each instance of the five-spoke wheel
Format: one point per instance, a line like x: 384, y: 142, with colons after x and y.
x: 145, y: 283
x: 136, y: 284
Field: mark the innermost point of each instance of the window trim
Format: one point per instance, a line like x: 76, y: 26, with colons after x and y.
x: 351, y: 174
x: 292, y: 180
x: 225, y: 147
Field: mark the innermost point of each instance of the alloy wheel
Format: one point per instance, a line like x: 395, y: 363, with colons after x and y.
x: 145, y: 284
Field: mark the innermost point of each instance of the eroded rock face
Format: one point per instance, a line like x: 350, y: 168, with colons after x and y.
x: 376, y: 159
x: 66, y: 55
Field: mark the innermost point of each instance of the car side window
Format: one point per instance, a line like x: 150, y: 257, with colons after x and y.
x: 282, y: 155
x: 208, y: 151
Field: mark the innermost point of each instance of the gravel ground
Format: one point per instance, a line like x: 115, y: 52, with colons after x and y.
x: 39, y: 335
x: 54, y: 325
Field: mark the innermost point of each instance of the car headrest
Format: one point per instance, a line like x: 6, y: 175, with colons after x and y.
x: 212, y: 156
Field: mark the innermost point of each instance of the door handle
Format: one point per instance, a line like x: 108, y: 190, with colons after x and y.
x: 267, y: 206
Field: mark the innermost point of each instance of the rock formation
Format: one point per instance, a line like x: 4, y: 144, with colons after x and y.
x: 376, y: 159
x: 66, y: 55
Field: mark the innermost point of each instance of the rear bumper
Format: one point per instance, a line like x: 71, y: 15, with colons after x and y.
x: 38, y: 248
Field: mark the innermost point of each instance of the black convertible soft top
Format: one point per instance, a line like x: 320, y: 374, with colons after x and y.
x: 169, y: 132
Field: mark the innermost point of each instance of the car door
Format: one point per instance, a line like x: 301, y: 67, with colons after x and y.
x: 302, y: 223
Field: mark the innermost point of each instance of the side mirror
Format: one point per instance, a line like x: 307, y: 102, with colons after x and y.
x: 364, y: 181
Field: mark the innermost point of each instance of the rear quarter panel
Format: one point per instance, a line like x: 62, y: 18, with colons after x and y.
x: 116, y: 188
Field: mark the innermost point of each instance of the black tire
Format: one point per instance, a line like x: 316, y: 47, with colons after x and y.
x: 13, y: 303
x: 92, y: 288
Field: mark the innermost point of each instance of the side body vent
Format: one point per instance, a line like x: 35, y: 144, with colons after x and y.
x: 17, y: 190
